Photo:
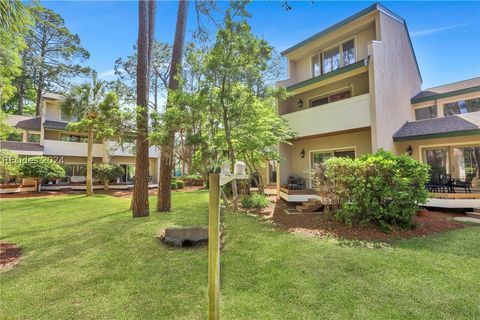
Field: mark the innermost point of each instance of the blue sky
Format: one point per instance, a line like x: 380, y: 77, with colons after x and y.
x: 445, y: 35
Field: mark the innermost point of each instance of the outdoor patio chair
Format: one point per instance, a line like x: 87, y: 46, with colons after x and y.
x: 466, y: 185
x: 296, y: 183
x: 446, y: 182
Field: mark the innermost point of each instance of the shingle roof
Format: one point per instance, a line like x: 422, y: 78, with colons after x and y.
x: 448, y: 90
x: 57, y: 125
x: 458, y: 125
x: 21, y: 146
x: 24, y: 122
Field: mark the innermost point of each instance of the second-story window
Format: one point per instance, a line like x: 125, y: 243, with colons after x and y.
x: 426, y: 113
x: 339, y: 56
x: 316, y: 69
x: 331, y: 59
x: 462, y: 106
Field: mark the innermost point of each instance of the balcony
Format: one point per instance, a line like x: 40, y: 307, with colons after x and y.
x: 347, y: 114
x: 128, y: 150
x: 67, y: 148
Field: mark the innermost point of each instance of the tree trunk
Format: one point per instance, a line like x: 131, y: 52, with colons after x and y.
x: 140, y: 206
x: 38, y: 104
x: 89, y: 182
x: 164, y: 199
x: 20, y: 94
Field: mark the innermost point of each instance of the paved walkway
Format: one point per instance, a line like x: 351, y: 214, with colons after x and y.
x: 467, y: 219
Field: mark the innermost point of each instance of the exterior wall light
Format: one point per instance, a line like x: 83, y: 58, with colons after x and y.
x: 300, y: 104
x: 409, y: 150
x: 302, y: 153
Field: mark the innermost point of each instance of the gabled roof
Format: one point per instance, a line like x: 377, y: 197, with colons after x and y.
x: 448, y: 90
x: 24, y: 122
x: 364, y: 12
x: 458, y: 125
x: 56, y: 125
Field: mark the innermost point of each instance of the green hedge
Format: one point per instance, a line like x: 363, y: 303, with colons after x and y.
x: 381, y: 187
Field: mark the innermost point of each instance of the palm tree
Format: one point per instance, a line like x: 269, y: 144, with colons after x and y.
x: 83, y: 102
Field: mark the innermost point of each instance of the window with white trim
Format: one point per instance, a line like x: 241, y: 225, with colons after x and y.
x: 339, y: 56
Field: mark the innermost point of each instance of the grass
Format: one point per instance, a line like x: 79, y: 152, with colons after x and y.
x: 86, y: 258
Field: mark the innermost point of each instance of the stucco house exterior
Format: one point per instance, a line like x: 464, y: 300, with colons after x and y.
x: 48, y: 135
x: 356, y: 87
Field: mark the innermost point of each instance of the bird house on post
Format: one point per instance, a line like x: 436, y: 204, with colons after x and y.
x: 239, y: 168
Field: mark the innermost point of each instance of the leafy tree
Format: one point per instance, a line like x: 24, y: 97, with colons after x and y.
x: 14, y: 21
x: 5, y: 128
x: 242, y: 98
x: 9, y: 166
x: 125, y: 69
x: 107, y: 172
x: 50, y: 57
x: 40, y: 168
x: 99, y: 113
x: 146, y: 31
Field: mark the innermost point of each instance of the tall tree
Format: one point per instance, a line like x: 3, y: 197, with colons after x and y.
x: 98, y: 113
x: 146, y: 32
x: 51, y: 56
x: 126, y: 70
x: 14, y: 22
x: 164, y: 198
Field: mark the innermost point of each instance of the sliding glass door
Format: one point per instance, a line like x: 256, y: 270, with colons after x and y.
x: 458, y: 161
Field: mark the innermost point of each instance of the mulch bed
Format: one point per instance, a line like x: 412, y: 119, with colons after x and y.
x: 9, y: 255
x: 323, y: 225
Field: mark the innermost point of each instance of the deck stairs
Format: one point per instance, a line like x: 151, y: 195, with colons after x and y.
x: 310, y: 206
x: 474, y: 214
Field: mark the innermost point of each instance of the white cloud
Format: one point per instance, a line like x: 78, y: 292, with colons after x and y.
x: 427, y: 32
x: 107, y: 74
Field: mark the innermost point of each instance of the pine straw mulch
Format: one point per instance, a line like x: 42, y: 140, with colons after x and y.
x: 10, y: 255
x: 323, y: 225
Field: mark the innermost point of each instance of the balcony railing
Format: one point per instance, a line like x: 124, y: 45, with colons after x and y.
x: 67, y: 148
x: 347, y: 114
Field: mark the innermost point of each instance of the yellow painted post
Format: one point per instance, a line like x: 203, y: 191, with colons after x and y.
x: 214, y: 246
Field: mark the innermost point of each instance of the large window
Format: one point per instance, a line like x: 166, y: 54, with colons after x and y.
x: 348, y: 53
x: 315, y: 61
x: 461, y: 106
x: 322, y: 156
x: 320, y: 100
x: 339, y: 56
x: 426, y: 113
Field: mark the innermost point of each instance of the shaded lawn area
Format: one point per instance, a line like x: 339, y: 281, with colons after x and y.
x: 86, y: 258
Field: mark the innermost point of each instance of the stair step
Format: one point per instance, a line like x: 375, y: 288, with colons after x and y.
x: 472, y: 214
x: 477, y: 210
x: 302, y: 209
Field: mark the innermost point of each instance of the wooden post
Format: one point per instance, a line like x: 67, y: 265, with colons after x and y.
x: 214, y: 246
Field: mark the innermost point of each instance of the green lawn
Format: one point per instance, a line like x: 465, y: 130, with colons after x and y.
x: 86, y: 258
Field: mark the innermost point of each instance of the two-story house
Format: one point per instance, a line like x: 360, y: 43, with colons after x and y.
x: 355, y: 88
x: 48, y: 135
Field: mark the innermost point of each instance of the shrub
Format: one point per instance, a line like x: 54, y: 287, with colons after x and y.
x: 381, y: 188
x: 9, y: 166
x: 254, y: 200
x: 41, y: 168
x: 107, y: 172
x: 173, y: 185
x: 180, y: 184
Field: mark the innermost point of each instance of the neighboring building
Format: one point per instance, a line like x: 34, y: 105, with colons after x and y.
x: 356, y: 87
x: 47, y: 135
